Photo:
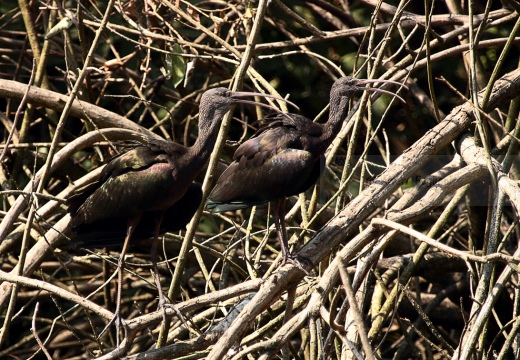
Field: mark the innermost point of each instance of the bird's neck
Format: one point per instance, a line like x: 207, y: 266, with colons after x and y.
x: 338, y: 112
x: 199, y: 153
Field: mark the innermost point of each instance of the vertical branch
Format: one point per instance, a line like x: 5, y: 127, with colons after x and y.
x: 26, y: 234
x: 484, y: 283
x: 208, y: 179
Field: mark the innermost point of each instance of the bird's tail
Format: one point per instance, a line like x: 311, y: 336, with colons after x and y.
x: 216, y: 207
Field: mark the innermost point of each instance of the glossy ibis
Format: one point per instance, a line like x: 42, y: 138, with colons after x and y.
x: 112, y: 232
x: 284, y: 158
x: 148, y: 179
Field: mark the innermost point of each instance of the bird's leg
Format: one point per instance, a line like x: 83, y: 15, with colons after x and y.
x: 281, y: 230
x: 155, y: 271
x: 153, y: 252
x: 131, y: 224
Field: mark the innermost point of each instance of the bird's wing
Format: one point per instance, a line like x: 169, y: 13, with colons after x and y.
x: 288, y: 172
x: 74, y: 201
x: 132, y: 159
x: 295, y: 121
x: 270, y: 165
x: 134, y: 181
x: 163, y: 146
x: 265, y: 145
x: 110, y: 232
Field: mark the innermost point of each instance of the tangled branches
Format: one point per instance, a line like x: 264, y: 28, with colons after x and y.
x: 413, y: 228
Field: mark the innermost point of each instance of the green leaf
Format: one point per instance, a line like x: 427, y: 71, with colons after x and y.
x: 64, y: 24
x: 176, y: 67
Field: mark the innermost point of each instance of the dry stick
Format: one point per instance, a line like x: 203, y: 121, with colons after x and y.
x: 32, y: 33
x: 389, y: 304
x: 413, y: 194
x: 507, y: 134
x: 312, y: 341
x: 142, y: 322
x: 41, y: 79
x: 454, y: 288
x: 339, y: 332
x: 474, y: 170
x: 18, y: 113
x: 305, y: 24
x: 513, y: 146
x: 279, y: 340
x: 49, y: 99
x: 275, y: 341
x: 480, y: 313
x: 385, y: 43
x: 184, y: 348
x: 474, y: 155
x: 58, y: 291
x: 289, y: 304
x: 72, y: 96
x: 354, y: 333
x: 40, y: 250
x: 432, y: 198
x: 510, y: 338
x: 346, y: 222
x: 408, y: 23
x: 196, y: 344
x: 85, y: 111
x: 200, y: 319
x: 315, y: 308
x: 500, y: 61
x: 35, y: 333
x: 27, y: 231
x: 381, y: 48
x: 444, y: 348
x: 208, y: 179
x: 466, y: 256
x: 250, y: 263
x: 354, y: 308
x: 438, y: 192
x: 368, y: 233
x: 276, y: 322
x: 327, y: 281
x: 465, y: 350
x: 428, y: 14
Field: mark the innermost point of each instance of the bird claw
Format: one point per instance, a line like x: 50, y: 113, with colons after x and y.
x: 298, y: 261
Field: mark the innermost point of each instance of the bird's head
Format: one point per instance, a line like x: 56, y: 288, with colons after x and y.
x: 347, y: 86
x: 218, y: 101
x: 219, y: 97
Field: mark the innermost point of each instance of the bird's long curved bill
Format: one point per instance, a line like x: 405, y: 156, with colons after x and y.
x: 238, y: 95
x: 375, y: 89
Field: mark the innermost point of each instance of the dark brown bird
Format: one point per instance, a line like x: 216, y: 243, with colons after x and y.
x: 284, y: 158
x: 149, y: 179
x: 112, y: 232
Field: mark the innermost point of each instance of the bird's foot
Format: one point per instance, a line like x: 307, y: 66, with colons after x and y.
x: 119, y: 322
x: 297, y: 260
x: 164, y: 305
